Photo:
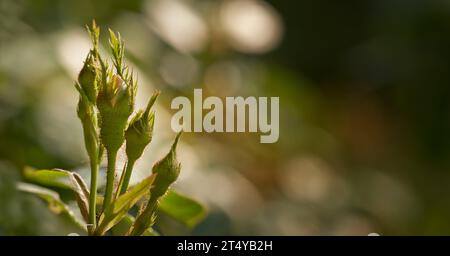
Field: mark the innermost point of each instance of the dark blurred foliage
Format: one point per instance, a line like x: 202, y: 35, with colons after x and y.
x: 364, y: 114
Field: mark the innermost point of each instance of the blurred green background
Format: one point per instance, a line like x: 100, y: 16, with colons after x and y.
x: 364, y: 91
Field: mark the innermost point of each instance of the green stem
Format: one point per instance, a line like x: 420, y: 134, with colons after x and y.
x: 93, y: 195
x: 144, y: 220
x: 100, y: 229
x: 126, y: 175
x: 112, y: 155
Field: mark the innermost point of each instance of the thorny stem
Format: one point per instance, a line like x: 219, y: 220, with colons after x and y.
x: 112, y: 155
x: 100, y: 229
x: 93, y: 196
x: 143, y: 221
x: 125, y: 179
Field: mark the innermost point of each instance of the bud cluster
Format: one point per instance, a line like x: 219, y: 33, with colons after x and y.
x: 106, y: 103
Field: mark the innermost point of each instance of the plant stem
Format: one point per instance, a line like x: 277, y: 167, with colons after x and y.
x: 112, y: 155
x: 126, y: 175
x: 93, y: 195
x: 144, y: 220
x: 100, y: 229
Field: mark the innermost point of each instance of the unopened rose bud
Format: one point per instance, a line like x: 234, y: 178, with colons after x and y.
x: 167, y: 171
x: 89, y: 77
x: 88, y: 117
x: 140, y: 131
x: 138, y: 135
x: 115, y: 103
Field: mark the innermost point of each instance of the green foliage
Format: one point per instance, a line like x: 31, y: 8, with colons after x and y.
x: 55, y: 204
x: 120, y: 207
x: 48, y: 178
x: 182, y: 208
x: 106, y: 102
